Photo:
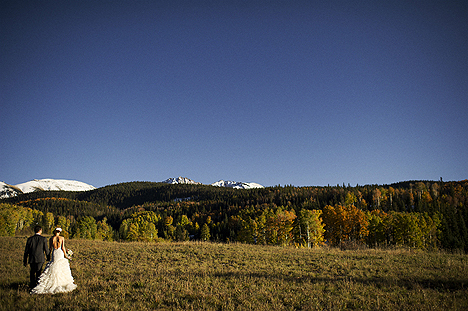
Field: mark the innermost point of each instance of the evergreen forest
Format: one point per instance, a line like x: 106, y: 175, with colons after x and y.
x: 417, y: 214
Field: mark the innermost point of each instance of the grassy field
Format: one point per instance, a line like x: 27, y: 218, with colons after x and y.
x: 209, y: 276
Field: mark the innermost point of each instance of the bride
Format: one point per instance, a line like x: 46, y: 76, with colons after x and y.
x: 56, y: 277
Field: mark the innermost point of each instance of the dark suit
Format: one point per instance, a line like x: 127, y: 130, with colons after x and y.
x: 36, y: 246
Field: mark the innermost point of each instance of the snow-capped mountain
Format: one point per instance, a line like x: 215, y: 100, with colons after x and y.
x: 7, y: 190
x: 221, y: 183
x: 181, y: 180
x: 237, y: 184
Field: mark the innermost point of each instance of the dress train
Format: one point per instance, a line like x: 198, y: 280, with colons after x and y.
x: 57, y: 277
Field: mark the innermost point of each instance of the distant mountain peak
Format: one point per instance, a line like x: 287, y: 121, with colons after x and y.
x: 7, y: 190
x: 181, y: 180
x: 221, y: 183
x: 236, y: 184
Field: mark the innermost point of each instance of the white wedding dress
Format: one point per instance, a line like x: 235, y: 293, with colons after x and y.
x: 56, y: 277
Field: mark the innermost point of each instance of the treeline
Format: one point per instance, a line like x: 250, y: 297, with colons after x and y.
x: 424, y: 214
x: 18, y: 219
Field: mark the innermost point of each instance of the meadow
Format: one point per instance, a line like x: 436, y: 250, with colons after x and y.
x: 214, y: 276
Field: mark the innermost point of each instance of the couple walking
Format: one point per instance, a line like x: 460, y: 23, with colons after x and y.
x: 56, y: 277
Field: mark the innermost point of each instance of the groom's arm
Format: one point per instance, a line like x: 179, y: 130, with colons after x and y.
x: 46, y: 249
x: 26, y: 252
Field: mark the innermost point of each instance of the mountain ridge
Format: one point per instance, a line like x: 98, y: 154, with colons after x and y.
x: 236, y: 184
x: 181, y: 180
x: 49, y: 184
x: 219, y: 183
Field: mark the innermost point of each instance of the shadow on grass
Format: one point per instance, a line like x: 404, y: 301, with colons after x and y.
x: 407, y: 283
x: 15, y: 286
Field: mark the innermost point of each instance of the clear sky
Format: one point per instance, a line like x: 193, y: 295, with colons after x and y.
x: 303, y: 93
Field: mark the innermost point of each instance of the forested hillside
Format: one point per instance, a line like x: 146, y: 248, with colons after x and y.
x: 423, y: 214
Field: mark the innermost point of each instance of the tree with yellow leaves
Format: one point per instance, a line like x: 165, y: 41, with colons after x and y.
x: 344, y: 223
x: 309, y: 228
x: 140, y: 227
x: 279, y: 227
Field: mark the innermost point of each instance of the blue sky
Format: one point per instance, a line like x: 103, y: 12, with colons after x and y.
x: 273, y: 92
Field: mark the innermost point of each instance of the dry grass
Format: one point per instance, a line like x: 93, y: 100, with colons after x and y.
x: 208, y: 276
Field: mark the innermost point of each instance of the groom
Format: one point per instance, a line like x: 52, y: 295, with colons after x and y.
x: 36, y: 246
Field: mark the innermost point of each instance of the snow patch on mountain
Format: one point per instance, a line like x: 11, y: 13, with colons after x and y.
x: 237, y: 184
x: 7, y: 190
